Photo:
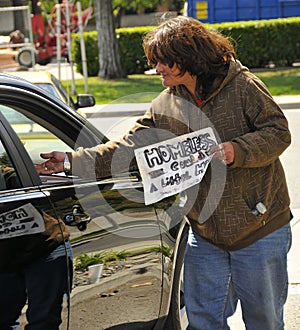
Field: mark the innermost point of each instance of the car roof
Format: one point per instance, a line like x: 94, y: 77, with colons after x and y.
x: 27, y: 87
x: 35, y: 77
x: 22, y: 83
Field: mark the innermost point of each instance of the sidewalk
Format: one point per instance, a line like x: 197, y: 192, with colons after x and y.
x: 288, y: 101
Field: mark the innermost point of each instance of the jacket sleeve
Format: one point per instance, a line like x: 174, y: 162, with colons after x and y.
x: 269, y: 134
x: 113, y: 157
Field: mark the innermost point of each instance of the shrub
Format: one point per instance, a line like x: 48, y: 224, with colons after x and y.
x: 91, y: 46
x: 264, y: 42
x: 258, y: 44
x: 131, y: 50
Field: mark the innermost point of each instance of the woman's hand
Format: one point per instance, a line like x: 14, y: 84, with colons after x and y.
x: 225, y: 152
x: 54, y: 164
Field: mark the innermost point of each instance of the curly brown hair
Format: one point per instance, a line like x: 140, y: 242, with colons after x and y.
x: 194, y: 48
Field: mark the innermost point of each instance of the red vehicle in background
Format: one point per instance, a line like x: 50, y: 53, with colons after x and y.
x: 45, y: 39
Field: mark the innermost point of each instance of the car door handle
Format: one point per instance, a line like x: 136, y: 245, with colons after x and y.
x: 77, y: 218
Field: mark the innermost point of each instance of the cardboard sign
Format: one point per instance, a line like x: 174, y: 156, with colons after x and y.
x: 172, y: 166
x: 24, y: 220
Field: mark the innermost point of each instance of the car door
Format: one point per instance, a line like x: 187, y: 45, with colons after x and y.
x: 108, y: 221
x: 22, y: 207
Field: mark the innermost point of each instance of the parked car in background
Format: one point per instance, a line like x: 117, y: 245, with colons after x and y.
x: 52, y: 85
x: 141, y: 248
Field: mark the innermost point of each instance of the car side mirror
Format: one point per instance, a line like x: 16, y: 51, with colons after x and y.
x: 85, y: 100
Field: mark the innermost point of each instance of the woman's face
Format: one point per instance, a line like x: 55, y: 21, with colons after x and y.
x: 171, y: 76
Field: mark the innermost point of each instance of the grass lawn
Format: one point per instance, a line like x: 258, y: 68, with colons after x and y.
x: 143, y: 88
x: 282, y: 82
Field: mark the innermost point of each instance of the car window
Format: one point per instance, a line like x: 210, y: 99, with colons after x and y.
x: 50, y: 89
x: 34, y: 137
x: 62, y: 91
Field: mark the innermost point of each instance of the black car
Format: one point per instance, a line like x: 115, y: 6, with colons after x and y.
x: 48, y: 81
x: 140, y: 248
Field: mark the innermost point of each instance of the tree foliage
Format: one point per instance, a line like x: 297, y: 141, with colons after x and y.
x: 138, y: 6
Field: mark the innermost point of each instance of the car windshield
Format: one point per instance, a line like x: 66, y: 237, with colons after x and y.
x: 50, y: 89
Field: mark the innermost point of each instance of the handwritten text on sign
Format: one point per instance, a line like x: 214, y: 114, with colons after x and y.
x: 172, y: 166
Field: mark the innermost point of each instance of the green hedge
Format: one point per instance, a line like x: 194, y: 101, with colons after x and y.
x: 264, y: 42
x: 132, y: 53
x: 130, y: 45
x: 91, y: 47
x: 258, y: 44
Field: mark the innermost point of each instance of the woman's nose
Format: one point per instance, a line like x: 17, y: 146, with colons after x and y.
x: 159, y: 67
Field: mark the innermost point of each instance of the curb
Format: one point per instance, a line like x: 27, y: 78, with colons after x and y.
x: 115, y: 110
x: 288, y: 101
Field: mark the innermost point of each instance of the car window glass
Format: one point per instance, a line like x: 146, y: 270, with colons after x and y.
x: 62, y: 90
x: 35, y: 138
x: 8, y: 176
x: 49, y: 88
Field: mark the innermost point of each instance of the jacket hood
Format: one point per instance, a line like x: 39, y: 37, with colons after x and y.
x: 235, y: 68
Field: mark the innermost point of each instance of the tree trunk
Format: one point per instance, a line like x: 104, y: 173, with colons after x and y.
x: 109, y: 55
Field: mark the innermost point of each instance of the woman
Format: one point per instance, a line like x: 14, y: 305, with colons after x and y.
x: 237, y: 250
